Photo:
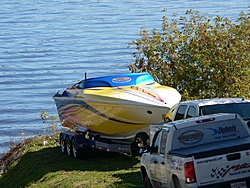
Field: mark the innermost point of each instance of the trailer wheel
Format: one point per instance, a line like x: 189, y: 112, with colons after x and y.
x: 68, y: 146
x: 74, y: 148
x: 62, y: 144
x: 147, y: 183
x: 141, y: 139
x: 77, y: 153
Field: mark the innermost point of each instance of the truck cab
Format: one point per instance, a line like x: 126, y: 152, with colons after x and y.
x: 194, y: 108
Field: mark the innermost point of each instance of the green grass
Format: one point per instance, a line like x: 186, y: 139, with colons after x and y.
x: 46, y: 166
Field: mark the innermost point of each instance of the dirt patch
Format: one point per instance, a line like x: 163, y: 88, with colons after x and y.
x: 12, y: 155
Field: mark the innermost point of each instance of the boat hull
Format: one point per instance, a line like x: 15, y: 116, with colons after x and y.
x: 117, y: 106
x: 110, y: 120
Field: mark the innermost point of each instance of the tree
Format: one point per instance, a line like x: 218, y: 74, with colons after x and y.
x: 199, y: 56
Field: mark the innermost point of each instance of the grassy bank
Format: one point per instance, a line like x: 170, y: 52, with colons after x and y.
x: 45, y: 166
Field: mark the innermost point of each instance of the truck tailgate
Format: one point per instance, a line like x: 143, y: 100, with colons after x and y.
x: 221, y: 162
x: 221, y: 168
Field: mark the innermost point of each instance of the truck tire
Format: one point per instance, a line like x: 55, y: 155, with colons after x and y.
x: 176, y: 182
x: 141, y: 139
x: 147, y: 183
x: 62, y: 144
x: 68, y: 146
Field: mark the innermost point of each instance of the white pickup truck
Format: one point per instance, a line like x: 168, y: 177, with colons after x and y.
x: 202, y: 107
x: 211, y: 151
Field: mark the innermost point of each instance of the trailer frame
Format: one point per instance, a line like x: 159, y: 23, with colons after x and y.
x: 75, y: 143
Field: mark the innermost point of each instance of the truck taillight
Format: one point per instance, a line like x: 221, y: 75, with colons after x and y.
x: 189, y: 172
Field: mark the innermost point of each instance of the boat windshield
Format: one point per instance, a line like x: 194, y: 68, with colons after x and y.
x: 131, y: 79
x: 243, y: 109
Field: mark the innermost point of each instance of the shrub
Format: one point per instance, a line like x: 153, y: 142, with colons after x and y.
x: 200, y: 56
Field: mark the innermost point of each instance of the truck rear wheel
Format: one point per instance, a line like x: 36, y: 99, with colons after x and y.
x: 147, y: 183
x: 176, y: 182
x: 141, y: 139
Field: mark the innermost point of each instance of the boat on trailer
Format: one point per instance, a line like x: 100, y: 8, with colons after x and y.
x: 117, y: 107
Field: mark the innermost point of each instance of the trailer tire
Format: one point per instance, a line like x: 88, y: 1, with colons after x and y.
x: 147, y: 183
x: 77, y: 153
x: 74, y: 148
x: 68, y: 146
x: 62, y: 144
x: 141, y: 139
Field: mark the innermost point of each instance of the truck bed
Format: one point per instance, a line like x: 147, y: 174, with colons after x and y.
x: 213, y: 149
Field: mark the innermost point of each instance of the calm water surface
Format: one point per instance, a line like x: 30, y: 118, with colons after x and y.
x: 48, y: 45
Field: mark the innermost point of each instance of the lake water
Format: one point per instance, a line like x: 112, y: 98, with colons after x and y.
x: 48, y: 45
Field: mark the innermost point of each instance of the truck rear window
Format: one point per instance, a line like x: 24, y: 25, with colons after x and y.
x: 243, y: 109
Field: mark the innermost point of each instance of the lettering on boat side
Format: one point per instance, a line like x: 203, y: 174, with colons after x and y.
x: 121, y: 79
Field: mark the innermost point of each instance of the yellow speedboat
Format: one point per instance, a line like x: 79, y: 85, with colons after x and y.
x: 117, y: 106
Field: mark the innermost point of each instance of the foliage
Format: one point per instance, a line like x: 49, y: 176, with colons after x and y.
x: 199, y: 56
x: 40, y: 163
x: 50, y: 120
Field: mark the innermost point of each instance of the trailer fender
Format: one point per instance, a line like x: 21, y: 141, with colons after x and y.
x: 80, y: 140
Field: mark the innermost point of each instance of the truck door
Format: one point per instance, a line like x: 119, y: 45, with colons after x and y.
x: 157, y: 162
